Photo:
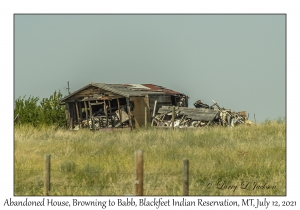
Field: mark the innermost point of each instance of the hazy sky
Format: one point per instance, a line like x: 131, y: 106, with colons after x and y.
x: 237, y: 60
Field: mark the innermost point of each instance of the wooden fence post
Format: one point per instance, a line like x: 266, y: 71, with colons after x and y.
x: 173, y: 117
x: 47, y: 174
x: 139, y: 171
x: 185, y: 177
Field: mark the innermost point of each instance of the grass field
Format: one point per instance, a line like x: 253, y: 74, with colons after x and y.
x: 243, y: 160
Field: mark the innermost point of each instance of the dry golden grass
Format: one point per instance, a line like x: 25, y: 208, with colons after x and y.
x: 102, y: 163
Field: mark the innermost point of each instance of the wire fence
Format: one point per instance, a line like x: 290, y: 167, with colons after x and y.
x: 67, y: 180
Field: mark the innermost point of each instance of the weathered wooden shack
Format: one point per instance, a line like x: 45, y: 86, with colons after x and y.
x: 118, y: 105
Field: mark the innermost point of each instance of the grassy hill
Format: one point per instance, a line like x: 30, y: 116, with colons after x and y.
x: 243, y: 160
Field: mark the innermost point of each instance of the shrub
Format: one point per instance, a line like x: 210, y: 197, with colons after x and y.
x: 48, y: 112
x: 28, y: 109
x: 52, y: 113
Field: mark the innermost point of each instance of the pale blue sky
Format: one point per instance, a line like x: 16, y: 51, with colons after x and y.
x: 237, y: 60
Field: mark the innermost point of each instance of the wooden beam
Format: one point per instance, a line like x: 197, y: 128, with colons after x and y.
x: 112, y: 123
x: 154, y: 109
x: 68, y: 115
x: 105, y: 111
x: 111, y: 97
x: 91, y: 111
x: 77, y: 112
x: 129, y: 113
x: 86, y: 111
x: 97, y: 103
x: 102, y: 98
x: 72, y: 113
x: 80, y: 110
x: 146, y: 100
x: 153, y: 114
x: 91, y: 114
x: 120, y: 114
x: 173, y: 116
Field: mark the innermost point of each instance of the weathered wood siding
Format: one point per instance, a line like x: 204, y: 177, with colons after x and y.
x: 193, y: 113
x: 162, y: 100
x: 139, y: 111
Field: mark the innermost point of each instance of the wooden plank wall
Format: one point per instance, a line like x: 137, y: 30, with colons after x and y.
x: 194, y: 113
x: 162, y: 100
x: 139, y: 111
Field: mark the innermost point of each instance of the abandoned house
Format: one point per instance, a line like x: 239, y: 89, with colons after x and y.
x: 99, y: 105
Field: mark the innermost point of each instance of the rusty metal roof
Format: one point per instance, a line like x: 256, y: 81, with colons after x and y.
x: 135, y: 89
x: 160, y: 88
x: 128, y: 90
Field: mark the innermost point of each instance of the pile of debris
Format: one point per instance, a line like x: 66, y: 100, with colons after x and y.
x: 201, y: 116
x: 101, y: 120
